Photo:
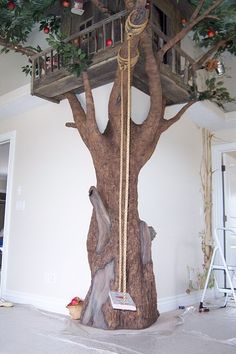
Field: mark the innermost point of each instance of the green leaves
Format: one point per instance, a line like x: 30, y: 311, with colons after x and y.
x: 52, y: 22
x: 221, y: 22
x: 16, y: 25
x: 216, y: 92
x: 73, y: 57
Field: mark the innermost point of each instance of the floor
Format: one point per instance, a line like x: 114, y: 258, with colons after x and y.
x: 27, y: 330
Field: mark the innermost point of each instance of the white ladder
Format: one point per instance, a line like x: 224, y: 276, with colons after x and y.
x: 230, y: 270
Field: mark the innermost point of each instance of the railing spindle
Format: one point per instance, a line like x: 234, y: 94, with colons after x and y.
x: 58, y: 61
x: 45, y: 64
x: 186, y: 70
x: 39, y: 68
x: 112, y: 34
x: 96, y: 41
x: 121, y: 30
x: 51, y: 60
x: 104, y: 35
x: 173, y: 60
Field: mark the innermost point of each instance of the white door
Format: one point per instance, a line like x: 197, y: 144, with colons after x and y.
x: 229, y: 207
x: 4, y: 161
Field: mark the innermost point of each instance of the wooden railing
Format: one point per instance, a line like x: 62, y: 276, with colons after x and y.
x: 101, y: 36
x: 92, y: 40
x: 179, y: 62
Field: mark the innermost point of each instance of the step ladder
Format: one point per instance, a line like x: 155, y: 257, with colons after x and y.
x: 218, y: 262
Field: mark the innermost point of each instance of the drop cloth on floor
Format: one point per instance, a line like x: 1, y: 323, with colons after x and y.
x: 26, y: 330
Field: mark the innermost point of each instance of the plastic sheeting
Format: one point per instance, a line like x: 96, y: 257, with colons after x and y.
x: 26, y: 330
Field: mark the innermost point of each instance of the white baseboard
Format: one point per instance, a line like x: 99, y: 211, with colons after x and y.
x: 173, y: 302
x: 59, y: 305
x: 41, y: 302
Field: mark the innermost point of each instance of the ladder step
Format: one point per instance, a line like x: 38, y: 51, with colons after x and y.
x: 220, y: 267
x: 226, y: 290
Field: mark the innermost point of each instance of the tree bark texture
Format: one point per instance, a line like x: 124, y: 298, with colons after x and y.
x: 103, y: 236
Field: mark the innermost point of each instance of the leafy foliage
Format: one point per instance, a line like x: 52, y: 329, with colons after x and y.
x: 221, y: 25
x: 27, y: 69
x: 216, y: 92
x: 52, y: 22
x: 17, y: 22
x: 16, y: 25
x: 73, y: 57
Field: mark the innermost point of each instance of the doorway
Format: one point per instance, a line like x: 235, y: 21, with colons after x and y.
x: 7, y: 151
x: 4, y: 158
x: 224, y: 201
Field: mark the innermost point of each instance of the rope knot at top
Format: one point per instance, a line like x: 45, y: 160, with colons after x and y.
x: 133, y: 29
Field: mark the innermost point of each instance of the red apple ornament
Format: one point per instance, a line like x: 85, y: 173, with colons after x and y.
x: 46, y: 29
x: 211, y: 33
x: 11, y: 5
x: 109, y: 42
x: 66, y: 3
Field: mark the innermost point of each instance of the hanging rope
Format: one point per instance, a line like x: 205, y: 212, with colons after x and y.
x: 125, y: 64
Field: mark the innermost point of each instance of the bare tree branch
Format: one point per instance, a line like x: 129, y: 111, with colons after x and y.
x: 179, y: 36
x: 101, y: 7
x: 129, y: 4
x: 197, y: 10
x: 90, y: 115
x: 165, y: 124
x: 71, y: 125
x: 17, y: 48
x: 154, y: 83
x: 221, y: 44
x: 114, y: 106
x: 213, y: 17
x: 78, y: 115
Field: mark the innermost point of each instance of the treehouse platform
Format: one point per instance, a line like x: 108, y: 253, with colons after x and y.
x: 101, y: 42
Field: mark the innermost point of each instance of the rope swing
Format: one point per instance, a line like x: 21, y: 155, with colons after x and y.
x: 125, y: 64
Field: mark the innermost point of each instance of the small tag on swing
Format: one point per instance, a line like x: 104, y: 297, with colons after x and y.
x: 121, y: 301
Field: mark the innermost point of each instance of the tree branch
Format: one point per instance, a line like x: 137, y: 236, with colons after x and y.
x: 197, y: 10
x: 101, y: 7
x: 165, y: 124
x: 17, y: 48
x: 155, y: 89
x: 78, y: 115
x: 71, y: 125
x: 114, y: 107
x: 222, y: 43
x: 90, y: 115
x: 179, y: 36
x: 129, y: 4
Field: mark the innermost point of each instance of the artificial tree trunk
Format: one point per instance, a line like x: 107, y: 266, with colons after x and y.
x: 103, y: 237
x: 103, y: 252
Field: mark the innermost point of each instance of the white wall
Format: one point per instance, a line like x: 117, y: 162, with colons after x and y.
x: 52, y: 174
x: 171, y: 201
x: 225, y: 136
